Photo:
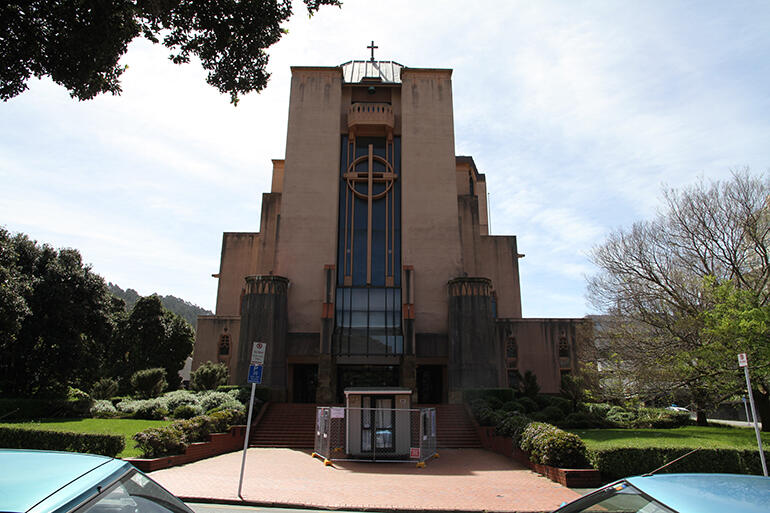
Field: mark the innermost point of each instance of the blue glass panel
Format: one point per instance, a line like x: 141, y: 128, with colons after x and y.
x: 377, y: 299
x: 376, y: 319
x: 358, y: 320
x: 359, y: 299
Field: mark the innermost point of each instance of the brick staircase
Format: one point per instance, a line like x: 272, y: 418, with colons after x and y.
x: 289, y: 425
x: 292, y: 425
x: 454, y: 427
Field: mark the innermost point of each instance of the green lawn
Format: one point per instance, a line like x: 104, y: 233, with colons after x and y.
x: 716, y: 437
x: 125, y: 427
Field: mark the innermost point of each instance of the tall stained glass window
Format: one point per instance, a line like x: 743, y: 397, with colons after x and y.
x: 368, y: 300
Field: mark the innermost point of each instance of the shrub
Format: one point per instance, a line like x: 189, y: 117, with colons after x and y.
x: 597, y: 409
x: 550, y: 414
x: 20, y: 438
x: 501, y: 394
x: 196, y: 429
x: 186, y: 411
x: 78, y: 401
x: 513, y: 425
x: 150, y: 409
x: 549, y: 445
x: 512, y: 406
x: 529, y: 386
x: 565, y: 405
x: 660, y: 418
x: 223, y: 419
x: 128, y: 406
x: 487, y: 416
x: 32, y: 409
x: 621, y: 416
x: 103, y: 409
x: 209, y: 376
x: 528, y: 404
x: 582, y: 420
x: 177, y: 398
x: 149, y: 382
x: 162, y: 441
x: 211, y: 400
x: 105, y: 388
x: 232, y: 404
x: 614, y: 463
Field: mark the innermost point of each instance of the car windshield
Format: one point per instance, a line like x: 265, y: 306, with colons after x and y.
x: 619, y: 498
x: 134, y: 493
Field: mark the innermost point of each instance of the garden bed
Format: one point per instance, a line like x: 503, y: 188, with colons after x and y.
x: 219, y: 443
x: 572, y: 478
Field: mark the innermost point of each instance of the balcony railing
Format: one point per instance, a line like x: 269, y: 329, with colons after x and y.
x: 377, y: 114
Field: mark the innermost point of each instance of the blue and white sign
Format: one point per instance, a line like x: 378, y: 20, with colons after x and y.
x: 255, y: 374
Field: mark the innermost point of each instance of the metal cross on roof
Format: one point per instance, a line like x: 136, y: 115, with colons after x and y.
x: 372, y: 48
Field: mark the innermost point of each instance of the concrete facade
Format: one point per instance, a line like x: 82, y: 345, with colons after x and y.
x: 374, y: 265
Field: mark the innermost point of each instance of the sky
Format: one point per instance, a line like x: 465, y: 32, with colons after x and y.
x: 578, y: 113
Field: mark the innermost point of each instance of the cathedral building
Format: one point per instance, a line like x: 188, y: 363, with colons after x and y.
x: 373, y: 264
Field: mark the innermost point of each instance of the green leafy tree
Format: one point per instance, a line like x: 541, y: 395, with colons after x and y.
x: 656, y: 282
x: 151, y: 336
x: 55, y: 318
x: 79, y: 43
x: 209, y: 376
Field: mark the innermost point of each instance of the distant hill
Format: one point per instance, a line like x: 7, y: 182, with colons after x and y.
x: 182, y: 308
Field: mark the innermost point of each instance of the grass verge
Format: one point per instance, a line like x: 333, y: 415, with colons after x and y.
x: 712, y: 437
x: 125, y: 427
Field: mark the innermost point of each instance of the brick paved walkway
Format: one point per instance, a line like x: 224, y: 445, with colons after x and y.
x: 460, y: 480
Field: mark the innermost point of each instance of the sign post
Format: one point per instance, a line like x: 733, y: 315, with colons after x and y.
x: 255, y: 377
x: 743, y: 362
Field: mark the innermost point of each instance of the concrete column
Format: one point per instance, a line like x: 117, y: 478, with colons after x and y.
x: 264, y: 319
x: 473, y: 348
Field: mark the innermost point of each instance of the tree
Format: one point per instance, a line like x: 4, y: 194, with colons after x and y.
x: 209, y: 376
x: 656, y: 282
x: 79, y: 43
x: 54, y: 318
x: 151, y: 336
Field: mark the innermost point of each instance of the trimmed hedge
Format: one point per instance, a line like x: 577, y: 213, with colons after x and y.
x: 616, y: 463
x: 20, y: 438
x: 12, y: 409
x: 549, y: 445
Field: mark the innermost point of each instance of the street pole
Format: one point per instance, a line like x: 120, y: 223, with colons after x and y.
x: 745, y: 366
x: 246, y: 440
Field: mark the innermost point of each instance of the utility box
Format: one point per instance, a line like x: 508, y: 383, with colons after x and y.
x: 378, y: 422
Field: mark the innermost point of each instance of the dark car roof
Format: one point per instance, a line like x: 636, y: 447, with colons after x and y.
x: 707, y: 493
x: 45, y: 480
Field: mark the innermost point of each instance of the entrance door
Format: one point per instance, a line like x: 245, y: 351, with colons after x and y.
x: 378, y: 425
x: 304, y: 383
x: 365, y: 376
x: 430, y: 384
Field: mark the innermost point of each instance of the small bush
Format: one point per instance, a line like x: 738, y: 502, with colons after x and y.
x: 105, y: 388
x: 565, y: 405
x: 222, y: 420
x: 621, y: 416
x: 598, y: 409
x: 187, y: 411
x: 550, y: 414
x: 196, y: 429
x: 177, y: 398
x: 549, y: 445
x: 78, y: 401
x: 242, y: 393
x: 501, y: 394
x: 528, y: 404
x: 512, y: 406
x: 232, y: 404
x: 162, y: 441
x: 20, y: 438
x: 209, y: 376
x: 513, y: 426
x: 582, y: 420
x: 103, y: 409
x: 211, y: 400
x: 151, y: 409
x: 149, y: 382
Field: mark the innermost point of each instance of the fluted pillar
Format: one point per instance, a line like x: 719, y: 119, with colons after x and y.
x: 264, y: 319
